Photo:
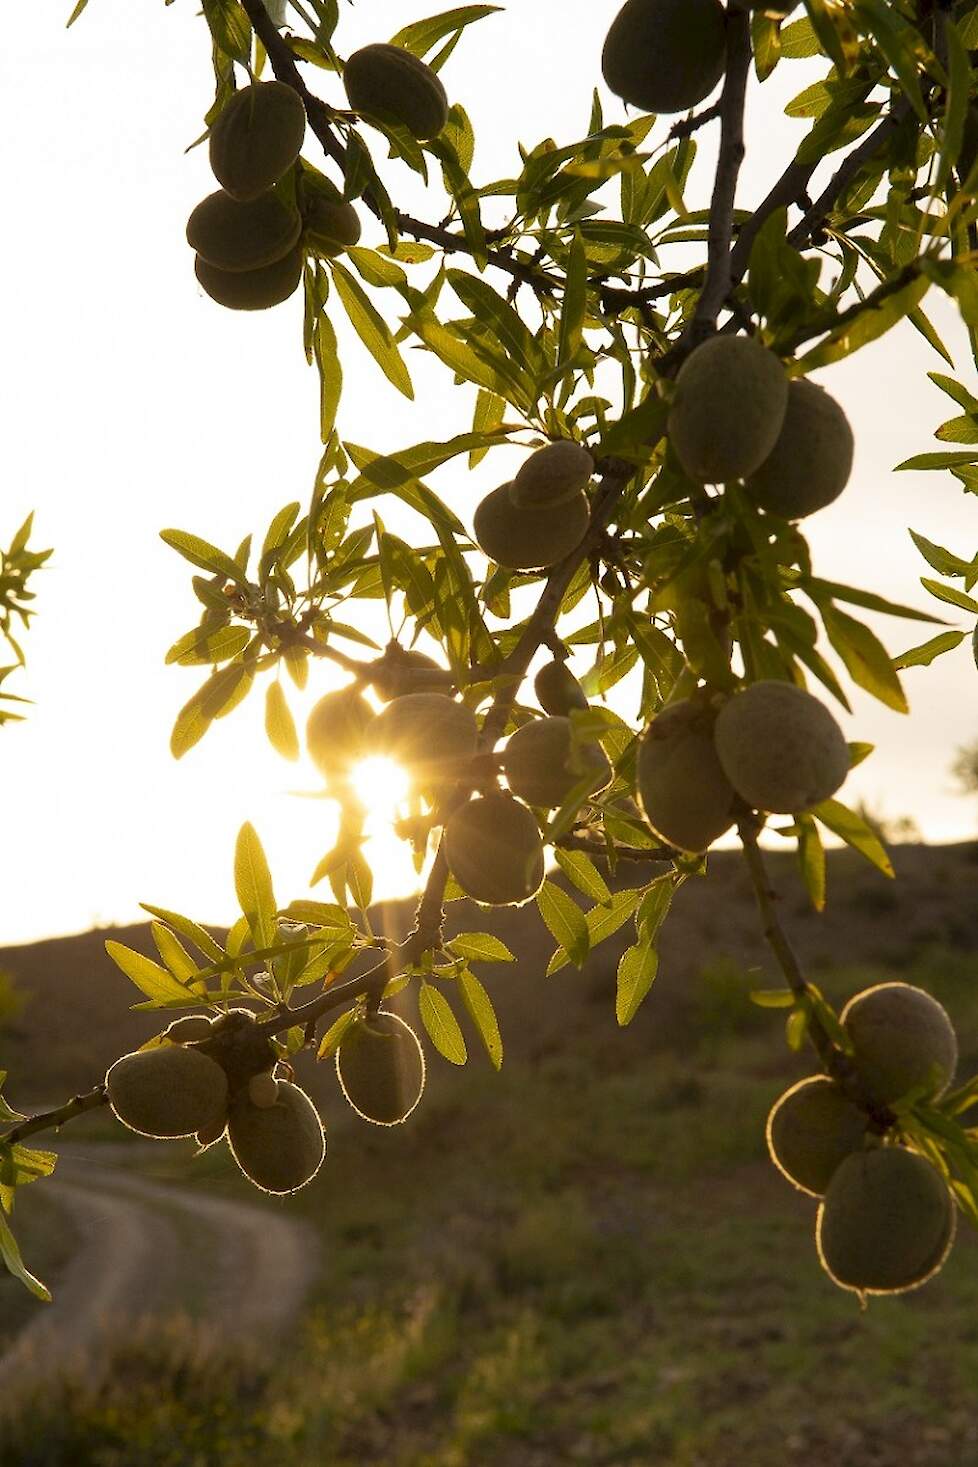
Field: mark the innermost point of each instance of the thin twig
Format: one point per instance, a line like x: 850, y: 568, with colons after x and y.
x: 593, y: 847
x: 686, y: 126
x: 49, y: 1120
x: 815, y: 216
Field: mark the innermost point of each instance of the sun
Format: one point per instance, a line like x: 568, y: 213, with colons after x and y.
x: 382, y: 786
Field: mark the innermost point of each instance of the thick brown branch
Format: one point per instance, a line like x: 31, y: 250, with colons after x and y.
x: 718, y: 281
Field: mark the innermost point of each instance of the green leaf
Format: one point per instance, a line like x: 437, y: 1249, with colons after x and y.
x: 565, y: 920
x: 574, y: 307
x: 468, y: 364
x: 497, y: 316
x: 174, y: 954
x: 19, y: 1166
x: 851, y: 828
x: 653, y: 910
x: 188, y: 929
x: 441, y: 1024
x: 371, y: 328
x: 76, y: 12
x: 15, y: 1264
x: 924, y: 655
x: 636, y: 974
x: 152, y: 980
x: 222, y: 692
x: 950, y: 594
x: 337, y: 1032
x: 948, y: 460
x: 230, y: 27
x: 253, y: 885
x: 480, y: 947
x: 943, y: 561
x: 811, y: 859
x: 199, y: 647
x: 878, y: 314
x: 279, y: 723
x: 422, y: 35
x: 483, y: 1015
x: 867, y: 660
x: 635, y: 435
x: 578, y: 867
x: 327, y: 355
x: 201, y: 553
x: 772, y: 998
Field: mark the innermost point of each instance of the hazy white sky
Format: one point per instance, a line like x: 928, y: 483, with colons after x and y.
x: 131, y: 402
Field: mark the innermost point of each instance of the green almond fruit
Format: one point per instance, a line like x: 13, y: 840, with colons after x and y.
x: 386, y: 81
x: 683, y: 792
x: 902, y: 1040
x: 336, y: 729
x: 257, y: 138
x: 494, y: 850
x: 810, y: 464
x: 279, y: 1147
x: 665, y: 55
x: 554, y: 474
x: 381, y: 1069
x: 403, y: 671
x: 729, y: 406
x: 233, y: 236
x: 168, y: 1091
x: 887, y: 1223
x: 558, y: 690
x: 780, y: 748
x: 811, y: 1130
x: 518, y: 537
x: 542, y: 764
x: 252, y: 290
x: 432, y: 737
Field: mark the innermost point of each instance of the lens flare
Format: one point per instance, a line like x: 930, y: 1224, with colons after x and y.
x: 382, y: 785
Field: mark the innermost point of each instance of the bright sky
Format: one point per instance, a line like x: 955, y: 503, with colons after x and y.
x: 131, y: 402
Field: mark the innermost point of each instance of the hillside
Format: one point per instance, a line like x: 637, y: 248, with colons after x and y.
x: 77, y: 1018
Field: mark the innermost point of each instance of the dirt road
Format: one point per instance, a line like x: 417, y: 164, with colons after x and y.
x: 147, y: 1249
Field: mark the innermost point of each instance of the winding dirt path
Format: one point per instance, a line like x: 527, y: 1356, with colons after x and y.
x: 146, y: 1250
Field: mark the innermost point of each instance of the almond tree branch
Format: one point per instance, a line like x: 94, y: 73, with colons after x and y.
x: 815, y: 216
x: 49, y: 1120
x: 834, y: 1062
x: 719, y: 277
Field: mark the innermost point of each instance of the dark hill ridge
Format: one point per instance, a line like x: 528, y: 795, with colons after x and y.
x: 77, y: 1019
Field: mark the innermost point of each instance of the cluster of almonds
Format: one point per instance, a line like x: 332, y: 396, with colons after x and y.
x: 250, y: 236
x: 772, y: 746
x: 886, y: 1218
x: 736, y: 415
x: 246, y: 236
x: 539, y: 517
x: 210, y: 1077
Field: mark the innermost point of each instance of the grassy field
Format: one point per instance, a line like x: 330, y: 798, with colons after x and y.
x: 585, y: 1260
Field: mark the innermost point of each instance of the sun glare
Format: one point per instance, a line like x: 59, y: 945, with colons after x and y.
x: 382, y: 785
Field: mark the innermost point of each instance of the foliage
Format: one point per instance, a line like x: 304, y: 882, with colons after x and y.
x: 555, y: 299
x: 17, y: 564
